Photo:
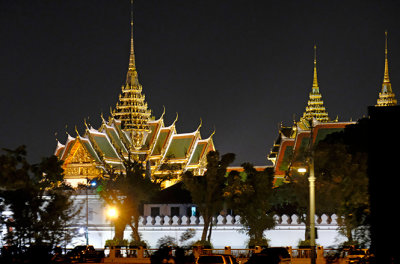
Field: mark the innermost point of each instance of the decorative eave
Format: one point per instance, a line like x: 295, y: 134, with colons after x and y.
x: 190, y: 136
x: 59, y: 149
x: 67, y: 147
x: 170, y: 131
x: 116, y: 141
x: 104, y: 149
x: 201, y: 148
x: 155, y: 127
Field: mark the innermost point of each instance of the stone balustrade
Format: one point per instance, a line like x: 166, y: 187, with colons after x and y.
x: 229, y: 220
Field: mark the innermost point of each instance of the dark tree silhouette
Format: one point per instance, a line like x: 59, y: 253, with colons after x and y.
x: 40, y: 205
x: 207, y: 190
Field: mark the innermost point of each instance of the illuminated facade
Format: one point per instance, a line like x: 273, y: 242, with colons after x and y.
x: 131, y: 132
x: 316, y: 123
x: 293, y: 139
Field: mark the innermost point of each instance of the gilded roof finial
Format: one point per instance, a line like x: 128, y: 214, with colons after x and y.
x: 212, y: 134
x: 386, y: 74
x: 176, y: 119
x: 77, y: 132
x: 86, y: 124
x: 315, y: 79
x: 132, y: 64
x: 201, y: 123
x: 163, y: 113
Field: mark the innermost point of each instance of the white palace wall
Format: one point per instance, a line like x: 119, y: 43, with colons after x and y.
x: 226, y: 231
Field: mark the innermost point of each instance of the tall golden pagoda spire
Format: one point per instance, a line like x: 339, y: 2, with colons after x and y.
x: 315, y: 106
x: 315, y: 86
x: 131, y: 76
x: 386, y: 96
x: 131, y: 108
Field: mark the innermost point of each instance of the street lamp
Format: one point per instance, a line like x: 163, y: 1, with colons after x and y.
x: 87, y: 212
x: 112, y: 214
x: 89, y: 184
x: 302, y: 170
x: 311, y: 180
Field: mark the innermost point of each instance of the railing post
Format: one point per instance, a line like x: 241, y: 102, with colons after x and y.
x: 197, y: 251
x: 257, y: 249
x: 140, y: 252
x: 112, y: 252
x: 289, y: 249
x: 320, y: 252
x: 228, y: 250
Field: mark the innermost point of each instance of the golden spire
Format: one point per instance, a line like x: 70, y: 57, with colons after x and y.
x: 131, y: 108
x: 131, y: 76
x: 315, y: 106
x: 315, y: 80
x: 386, y: 74
x: 386, y: 96
x: 132, y: 64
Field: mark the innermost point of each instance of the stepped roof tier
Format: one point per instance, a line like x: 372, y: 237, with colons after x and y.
x: 386, y: 96
x: 294, y: 140
x: 132, y: 132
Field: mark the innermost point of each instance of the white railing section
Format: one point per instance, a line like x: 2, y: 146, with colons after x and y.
x: 229, y: 220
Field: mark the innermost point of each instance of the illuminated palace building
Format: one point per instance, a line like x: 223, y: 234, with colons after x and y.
x: 316, y: 123
x: 131, y: 132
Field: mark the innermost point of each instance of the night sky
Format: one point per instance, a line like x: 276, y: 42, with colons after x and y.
x: 243, y: 67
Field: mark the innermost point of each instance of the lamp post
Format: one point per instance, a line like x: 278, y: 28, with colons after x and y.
x: 89, y: 184
x: 87, y: 212
x: 311, y: 180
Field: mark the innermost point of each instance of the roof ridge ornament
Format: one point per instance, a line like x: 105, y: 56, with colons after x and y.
x: 77, y: 132
x: 163, y: 113
x: 212, y: 134
x: 201, y: 123
x: 176, y: 119
x: 86, y: 124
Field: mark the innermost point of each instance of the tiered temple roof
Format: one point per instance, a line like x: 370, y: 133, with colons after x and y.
x: 315, y: 108
x: 296, y: 138
x: 315, y: 122
x: 132, y: 132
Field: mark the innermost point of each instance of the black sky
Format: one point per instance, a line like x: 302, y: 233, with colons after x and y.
x: 241, y: 66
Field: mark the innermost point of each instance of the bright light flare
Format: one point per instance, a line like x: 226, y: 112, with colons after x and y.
x: 302, y: 170
x: 112, y: 212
